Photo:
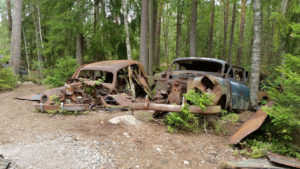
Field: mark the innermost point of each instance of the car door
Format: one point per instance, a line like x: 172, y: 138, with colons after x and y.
x: 240, y: 94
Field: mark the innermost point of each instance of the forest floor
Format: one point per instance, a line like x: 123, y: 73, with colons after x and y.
x: 42, y: 141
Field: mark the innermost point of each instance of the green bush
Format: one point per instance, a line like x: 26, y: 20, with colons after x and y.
x: 8, y: 80
x: 285, y: 113
x: 65, y: 67
x: 183, y: 121
x: 198, y: 99
x: 281, y: 130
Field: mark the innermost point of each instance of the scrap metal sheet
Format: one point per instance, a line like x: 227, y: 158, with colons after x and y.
x: 32, y: 97
x: 279, y: 159
x: 250, y: 125
x: 251, y: 163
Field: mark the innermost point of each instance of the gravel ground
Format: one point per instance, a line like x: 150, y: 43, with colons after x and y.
x: 49, y: 152
x: 40, y: 141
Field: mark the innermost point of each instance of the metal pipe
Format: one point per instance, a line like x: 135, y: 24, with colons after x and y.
x: 173, y: 108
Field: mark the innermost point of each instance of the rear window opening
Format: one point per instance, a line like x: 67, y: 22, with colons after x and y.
x: 107, y: 77
x: 204, y: 66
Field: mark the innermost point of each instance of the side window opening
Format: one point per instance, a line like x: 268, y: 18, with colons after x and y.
x: 107, y: 77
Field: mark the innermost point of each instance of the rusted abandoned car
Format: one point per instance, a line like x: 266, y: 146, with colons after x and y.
x: 227, y: 83
x: 109, y: 84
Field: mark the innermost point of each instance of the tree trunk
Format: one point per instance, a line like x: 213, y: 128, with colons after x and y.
x: 166, y: 35
x: 232, y: 33
x: 26, y: 52
x: 96, y: 14
x: 225, y: 28
x: 157, y: 35
x: 193, y: 46
x: 143, y: 36
x: 178, y: 29
x: 79, y: 51
x: 151, y: 38
x: 8, y: 6
x: 241, y: 40
x: 271, y: 46
x: 79, y: 36
x: 211, y: 31
x: 282, y: 50
x: 39, y: 23
x: 128, y: 46
x: 103, y: 8
x: 15, y: 47
x: 256, y: 53
x: 37, y: 44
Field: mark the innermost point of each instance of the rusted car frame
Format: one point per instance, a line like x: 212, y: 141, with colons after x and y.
x: 110, y: 84
x: 227, y: 83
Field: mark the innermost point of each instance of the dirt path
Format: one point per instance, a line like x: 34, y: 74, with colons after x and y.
x: 36, y: 140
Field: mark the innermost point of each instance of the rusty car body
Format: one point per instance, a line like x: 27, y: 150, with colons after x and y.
x: 109, y: 84
x: 227, y: 83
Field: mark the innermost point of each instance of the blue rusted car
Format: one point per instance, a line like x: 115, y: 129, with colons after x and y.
x: 227, y: 83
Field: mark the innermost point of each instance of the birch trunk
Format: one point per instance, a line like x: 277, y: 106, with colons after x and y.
x: 128, y: 46
x: 166, y: 34
x: 256, y: 53
x: 178, y: 30
x: 15, y: 46
x: 193, y: 46
x: 26, y: 53
x: 37, y: 45
x: 39, y: 23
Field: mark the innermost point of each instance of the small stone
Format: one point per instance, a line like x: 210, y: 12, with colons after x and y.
x: 28, y: 83
x: 127, y: 119
x: 158, y: 149
x: 186, y: 162
x: 126, y: 135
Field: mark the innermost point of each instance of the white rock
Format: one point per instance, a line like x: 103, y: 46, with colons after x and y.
x: 186, y: 162
x: 28, y: 83
x: 127, y: 119
x: 126, y: 135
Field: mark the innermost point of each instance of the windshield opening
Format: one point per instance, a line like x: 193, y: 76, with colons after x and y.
x: 106, y: 77
x: 204, y: 66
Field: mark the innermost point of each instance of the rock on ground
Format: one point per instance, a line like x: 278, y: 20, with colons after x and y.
x: 127, y: 119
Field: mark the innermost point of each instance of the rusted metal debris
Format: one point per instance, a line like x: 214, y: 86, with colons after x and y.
x: 279, y: 159
x: 63, y: 107
x: 147, y: 105
x: 250, y: 125
x: 5, y: 163
x: 32, y: 97
x: 251, y: 163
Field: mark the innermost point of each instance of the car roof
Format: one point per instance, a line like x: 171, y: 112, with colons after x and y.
x: 109, y: 65
x: 199, y: 59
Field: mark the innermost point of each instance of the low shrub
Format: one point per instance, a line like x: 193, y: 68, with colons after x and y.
x: 198, y: 99
x: 65, y: 67
x: 8, y: 80
x: 185, y: 120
